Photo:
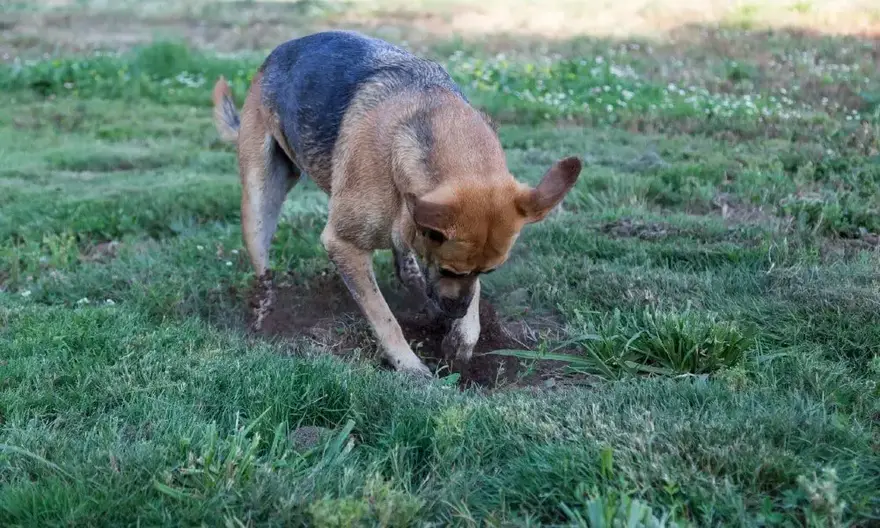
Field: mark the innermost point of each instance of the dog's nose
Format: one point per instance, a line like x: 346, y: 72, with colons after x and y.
x: 454, y: 308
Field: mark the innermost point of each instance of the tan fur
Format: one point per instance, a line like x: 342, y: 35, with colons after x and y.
x: 385, y: 191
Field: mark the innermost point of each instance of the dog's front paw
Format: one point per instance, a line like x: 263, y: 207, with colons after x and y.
x: 411, y: 364
x: 459, y: 345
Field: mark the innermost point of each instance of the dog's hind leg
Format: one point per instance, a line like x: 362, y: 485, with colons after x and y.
x: 267, y: 175
x: 266, y: 181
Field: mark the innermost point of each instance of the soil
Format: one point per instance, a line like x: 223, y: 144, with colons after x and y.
x: 323, y: 310
x: 101, y: 252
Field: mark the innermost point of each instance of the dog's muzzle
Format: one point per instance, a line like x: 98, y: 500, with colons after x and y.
x: 453, y: 308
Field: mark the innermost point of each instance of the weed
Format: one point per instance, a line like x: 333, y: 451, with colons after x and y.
x: 616, y: 509
x: 651, y: 342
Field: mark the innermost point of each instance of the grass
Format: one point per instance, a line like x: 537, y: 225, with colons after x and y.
x: 650, y: 342
x: 712, y: 281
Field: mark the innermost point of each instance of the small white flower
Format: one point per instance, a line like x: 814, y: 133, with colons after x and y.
x: 84, y: 300
x: 228, y: 263
x: 235, y: 252
x: 200, y: 247
x: 109, y: 302
x: 26, y: 293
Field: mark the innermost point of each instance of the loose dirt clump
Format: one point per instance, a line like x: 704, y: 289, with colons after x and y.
x: 736, y: 212
x: 321, y: 309
x: 101, y: 252
x: 626, y: 228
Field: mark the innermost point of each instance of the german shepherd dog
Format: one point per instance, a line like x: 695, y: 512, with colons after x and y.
x: 408, y: 165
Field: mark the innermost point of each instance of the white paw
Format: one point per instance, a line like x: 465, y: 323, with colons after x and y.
x: 459, y: 346
x: 411, y: 364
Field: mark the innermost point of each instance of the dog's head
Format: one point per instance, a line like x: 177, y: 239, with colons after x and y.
x: 465, y: 231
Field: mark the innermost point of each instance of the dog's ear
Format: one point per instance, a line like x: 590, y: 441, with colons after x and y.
x: 436, y: 218
x: 535, y: 204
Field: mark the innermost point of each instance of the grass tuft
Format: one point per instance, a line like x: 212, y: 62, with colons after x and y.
x: 648, y: 343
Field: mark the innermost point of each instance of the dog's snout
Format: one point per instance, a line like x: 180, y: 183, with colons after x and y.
x: 454, y: 308
x: 453, y: 298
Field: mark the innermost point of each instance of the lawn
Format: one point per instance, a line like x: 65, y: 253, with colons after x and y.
x: 692, y: 339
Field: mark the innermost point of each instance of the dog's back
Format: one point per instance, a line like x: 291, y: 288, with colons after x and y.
x: 311, y: 82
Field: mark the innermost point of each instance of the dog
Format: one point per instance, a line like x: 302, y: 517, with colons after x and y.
x: 408, y: 165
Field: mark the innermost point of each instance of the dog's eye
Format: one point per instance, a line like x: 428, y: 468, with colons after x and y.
x: 434, y: 236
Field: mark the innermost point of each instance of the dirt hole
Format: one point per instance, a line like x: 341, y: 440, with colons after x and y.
x: 322, y: 309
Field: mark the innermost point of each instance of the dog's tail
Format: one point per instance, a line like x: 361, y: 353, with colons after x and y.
x: 225, y: 114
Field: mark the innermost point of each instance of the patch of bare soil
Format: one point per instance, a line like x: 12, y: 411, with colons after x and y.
x: 101, y: 252
x: 626, y: 228
x: 736, y: 212
x: 848, y: 249
x: 322, y: 309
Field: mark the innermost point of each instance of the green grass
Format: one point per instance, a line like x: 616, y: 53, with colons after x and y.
x: 714, y: 277
x: 649, y: 342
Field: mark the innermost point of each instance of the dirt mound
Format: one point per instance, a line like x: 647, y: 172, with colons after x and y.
x: 322, y: 309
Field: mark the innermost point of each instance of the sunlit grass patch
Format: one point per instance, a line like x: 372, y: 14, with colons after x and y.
x: 595, y: 89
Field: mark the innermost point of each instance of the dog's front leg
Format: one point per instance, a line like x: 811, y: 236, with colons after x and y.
x: 355, y: 265
x: 464, y: 332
